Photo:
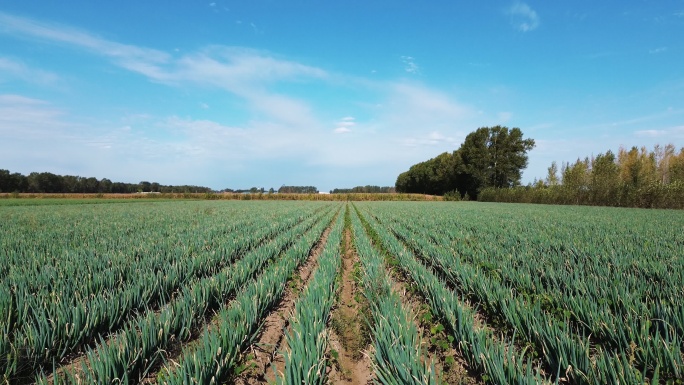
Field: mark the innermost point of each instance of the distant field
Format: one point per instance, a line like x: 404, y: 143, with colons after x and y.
x: 226, y: 291
x: 13, y: 199
x: 47, y: 201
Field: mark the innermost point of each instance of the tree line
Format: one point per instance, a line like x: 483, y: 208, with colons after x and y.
x: 364, y: 190
x: 46, y: 182
x: 298, y: 190
x: 282, y: 190
x: 489, y: 157
x: 631, y: 178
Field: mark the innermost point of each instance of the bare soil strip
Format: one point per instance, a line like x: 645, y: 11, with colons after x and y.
x: 261, y: 358
x: 349, y: 339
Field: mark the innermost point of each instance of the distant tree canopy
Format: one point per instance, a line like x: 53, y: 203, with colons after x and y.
x: 364, y: 189
x: 489, y: 157
x: 297, y: 190
x: 632, y: 178
x: 46, y: 182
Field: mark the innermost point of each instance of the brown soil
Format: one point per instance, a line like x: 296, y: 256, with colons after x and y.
x: 261, y: 358
x: 348, y: 337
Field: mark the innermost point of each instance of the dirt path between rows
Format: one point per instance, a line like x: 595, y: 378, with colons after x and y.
x: 349, y: 339
x: 265, y: 354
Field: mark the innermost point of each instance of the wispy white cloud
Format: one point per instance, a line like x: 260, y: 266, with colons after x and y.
x: 427, y: 120
x: 410, y: 65
x: 256, y: 29
x: 28, y: 118
x: 172, y: 149
x: 419, y: 105
x: 244, y: 72
x: 523, y: 18
x: 235, y: 67
x: 345, y: 125
x: 641, y: 120
x: 431, y: 139
x: 248, y: 74
x: 11, y: 68
x: 666, y: 133
x: 231, y: 63
x: 651, y: 133
x: 504, y: 116
x: 658, y: 50
x: 143, y: 60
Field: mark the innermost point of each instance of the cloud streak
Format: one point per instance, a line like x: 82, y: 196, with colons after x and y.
x: 344, y: 126
x: 410, y: 65
x: 523, y: 18
x: 667, y: 133
x: 28, y: 118
x: 11, y: 68
x: 138, y: 59
x: 244, y: 72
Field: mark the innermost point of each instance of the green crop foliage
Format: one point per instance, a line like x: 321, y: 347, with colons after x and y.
x: 307, y: 341
x: 398, y: 357
x: 592, y: 295
x: 526, y: 294
x: 74, y: 273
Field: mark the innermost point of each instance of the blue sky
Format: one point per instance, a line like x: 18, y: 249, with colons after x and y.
x: 327, y: 93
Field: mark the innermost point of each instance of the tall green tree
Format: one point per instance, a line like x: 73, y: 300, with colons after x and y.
x: 494, y: 157
x: 576, y: 180
x: 552, y: 175
x: 605, y: 179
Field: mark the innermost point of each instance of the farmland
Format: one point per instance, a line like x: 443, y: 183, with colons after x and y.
x: 290, y: 292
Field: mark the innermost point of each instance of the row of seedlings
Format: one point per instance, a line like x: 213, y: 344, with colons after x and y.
x: 307, y: 338
x: 398, y: 357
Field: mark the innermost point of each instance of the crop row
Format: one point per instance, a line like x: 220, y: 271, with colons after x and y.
x: 397, y: 353
x: 307, y: 338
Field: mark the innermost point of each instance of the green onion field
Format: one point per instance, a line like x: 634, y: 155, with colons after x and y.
x: 221, y: 292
